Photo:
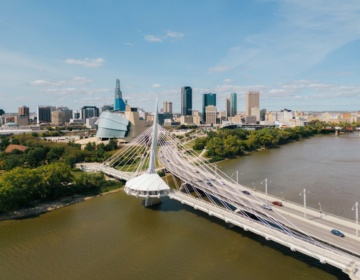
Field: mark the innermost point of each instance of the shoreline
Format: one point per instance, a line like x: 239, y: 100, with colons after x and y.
x: 46, y: 207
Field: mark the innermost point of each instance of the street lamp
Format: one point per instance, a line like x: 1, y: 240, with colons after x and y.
x: 237, y: 175
x: 356, y: 208
x: 265, y: 180
x: 282, y: 196
x: 304, y: 192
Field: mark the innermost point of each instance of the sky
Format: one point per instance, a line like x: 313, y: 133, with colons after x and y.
x: 300, y: 55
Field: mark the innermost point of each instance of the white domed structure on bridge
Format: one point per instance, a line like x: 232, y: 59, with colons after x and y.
x: 149, y: 184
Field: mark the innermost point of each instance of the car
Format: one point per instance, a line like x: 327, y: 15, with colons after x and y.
x: 277, y: 203
x: 266, y: 206
x: 209, y: 183
x: 337, y: 232
x: 246, y: 192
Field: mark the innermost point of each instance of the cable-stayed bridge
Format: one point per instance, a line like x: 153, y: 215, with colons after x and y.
x: 192, y: 180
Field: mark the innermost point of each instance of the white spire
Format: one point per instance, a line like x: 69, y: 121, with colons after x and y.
x: 154, y: 141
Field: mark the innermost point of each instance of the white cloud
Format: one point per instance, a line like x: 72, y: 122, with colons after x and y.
x: 87, y: 62
x: 169, y: 35
x: 38, y: 83
x: 175, y: 35
x: 152, y: 38
x: 156, y: 86
x: 73, y: 81
x: 219, y: 69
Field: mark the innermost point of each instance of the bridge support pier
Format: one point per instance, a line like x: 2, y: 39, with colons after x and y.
x: 151, y: 201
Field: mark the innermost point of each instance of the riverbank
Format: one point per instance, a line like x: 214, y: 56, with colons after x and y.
x: 49, y: 206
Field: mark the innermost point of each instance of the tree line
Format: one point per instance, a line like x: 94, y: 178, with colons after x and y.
x: 45, y: 171
x: 231, y: 143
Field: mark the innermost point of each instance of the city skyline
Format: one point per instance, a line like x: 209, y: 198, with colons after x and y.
x: 298, y: 55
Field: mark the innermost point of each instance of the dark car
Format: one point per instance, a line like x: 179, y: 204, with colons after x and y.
x: 337, y: 232
x: 277, y: 203
x: 246, y: 192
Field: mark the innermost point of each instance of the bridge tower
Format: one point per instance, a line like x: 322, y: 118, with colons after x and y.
x: 149, y: 185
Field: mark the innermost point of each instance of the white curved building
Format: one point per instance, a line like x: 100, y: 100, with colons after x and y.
x: 112, y: 125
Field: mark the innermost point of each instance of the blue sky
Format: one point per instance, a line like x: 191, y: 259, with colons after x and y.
x: 300, y: 55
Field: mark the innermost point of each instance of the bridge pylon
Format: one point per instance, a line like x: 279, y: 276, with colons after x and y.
x: 149, y: 185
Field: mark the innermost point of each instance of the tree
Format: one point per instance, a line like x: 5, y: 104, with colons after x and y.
x: 90, y: 146
x: 36, y: 156
x: 112, y: 145
x: 13, y: 160
x: 4, y: 142
x: 18, y: 188
x: 56, y: 179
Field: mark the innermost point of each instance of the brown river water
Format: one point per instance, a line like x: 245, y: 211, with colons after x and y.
x: 115, y: 237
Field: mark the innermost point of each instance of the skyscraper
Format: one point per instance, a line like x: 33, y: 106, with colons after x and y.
x: 44, y: 114
x: 208, y: 99
x: 24, y: 111
x: 167, y: 107
x: 119, y: 104
x: 89, y: 112
x: 186, y: 101
x: 252, y: 101
x: 227, y: 107
x: 233, y: 104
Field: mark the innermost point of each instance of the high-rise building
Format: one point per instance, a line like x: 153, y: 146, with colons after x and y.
x: 167, y: 107
x: 68, y: 114
x: 44, y: 114
x: 76, y: 115
x: 24, y: 111
x: 233, y: 104
x: 210, y: 112
x: 208, y: 99
x: 252, y: 101
x: 58, y: 117
x: 89, y: 112
x: 186, y: 101
x: 227, y: 107
x: 119, y: 104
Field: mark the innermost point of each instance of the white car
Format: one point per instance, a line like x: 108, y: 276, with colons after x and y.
x: 267, y: 207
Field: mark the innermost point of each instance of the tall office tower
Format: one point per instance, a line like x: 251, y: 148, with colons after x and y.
x: 186, y: 101
x: 262, y: 114
x: 208, y: 99
x: 167, y: 107
x: 233, y: 104
x: 44, y: 114
x: 119, y: 104
x: 89, y: 112
x: 210, y: 112
x: 227, y: 107
x: 252, y: 101
x: 24, y: 111
x: 76, y: 115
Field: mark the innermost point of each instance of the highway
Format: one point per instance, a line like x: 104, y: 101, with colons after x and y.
x: 220, y: 189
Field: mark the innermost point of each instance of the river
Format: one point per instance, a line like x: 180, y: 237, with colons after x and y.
x: 115, y: 237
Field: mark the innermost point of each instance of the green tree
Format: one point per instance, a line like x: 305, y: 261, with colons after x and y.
x: 112, y: 145
x: 56, y: 180
x: 36, y: 156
